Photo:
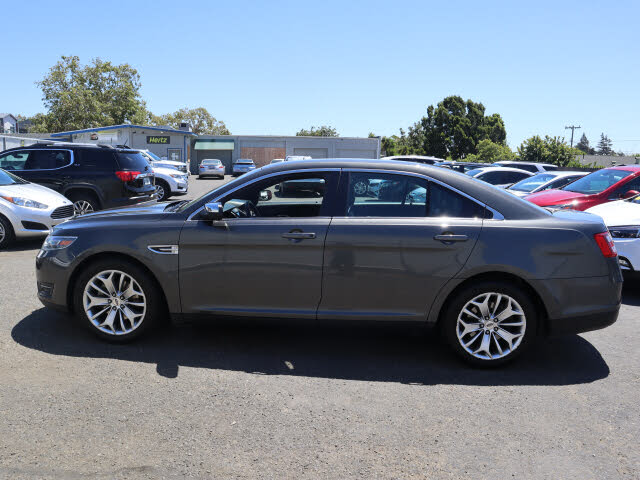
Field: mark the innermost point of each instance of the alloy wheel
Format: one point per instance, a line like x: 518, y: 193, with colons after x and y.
x: 3, y: 233
x: 160, y: 192
x: 114, y: 302
x: 82, y: 206
x: 491, y: 326
x: 360, y: 188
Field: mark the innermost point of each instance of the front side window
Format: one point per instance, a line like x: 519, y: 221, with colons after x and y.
x: 14, y: 160
x: 47, y: 160
x: 285, y: 196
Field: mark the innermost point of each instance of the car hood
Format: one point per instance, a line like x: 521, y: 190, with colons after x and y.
x: 554, y: 197
x: 166, y: 171
x: 618, y: 213
x: 36, y: 192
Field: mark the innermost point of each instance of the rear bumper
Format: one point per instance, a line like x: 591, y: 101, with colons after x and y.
x: 583, y: 323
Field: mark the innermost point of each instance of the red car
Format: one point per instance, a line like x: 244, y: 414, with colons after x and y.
x: 598, y: 187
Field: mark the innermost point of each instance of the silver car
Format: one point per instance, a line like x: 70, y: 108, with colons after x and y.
x: 211, y: 167
x: 242, y: 166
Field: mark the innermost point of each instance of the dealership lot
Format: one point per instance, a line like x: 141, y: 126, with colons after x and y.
x: 276, y: 400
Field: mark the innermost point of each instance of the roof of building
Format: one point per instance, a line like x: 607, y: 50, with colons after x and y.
x: 3, y: 115
x: 116, y: 127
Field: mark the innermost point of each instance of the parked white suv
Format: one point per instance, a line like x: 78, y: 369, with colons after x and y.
x: 528, y: 166
x: 28, y: 209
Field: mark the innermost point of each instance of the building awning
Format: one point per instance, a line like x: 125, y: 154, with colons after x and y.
x: 214, y: 145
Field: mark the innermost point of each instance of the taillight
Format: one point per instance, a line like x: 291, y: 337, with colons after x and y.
x: 127, y: 176
x: 605, y: 242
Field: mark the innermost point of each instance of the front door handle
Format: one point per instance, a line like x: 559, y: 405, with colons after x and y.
x: 449, y: 237
x: 299, y: 235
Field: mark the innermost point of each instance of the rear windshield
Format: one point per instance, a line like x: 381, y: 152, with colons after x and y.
x: 211, y: 162
x: 132, y: 161
x: 245, y: 162
x: 531, y: 183
x: 597, y: 182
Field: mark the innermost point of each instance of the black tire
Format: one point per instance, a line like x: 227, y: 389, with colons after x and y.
x: 454, y: 309
x: 165, y: 188
x: 80, y: 199
x: 155, y: 310
x: 7, y: 235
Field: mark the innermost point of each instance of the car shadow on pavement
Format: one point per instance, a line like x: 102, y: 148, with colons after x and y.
x: 631, y: 290
x: 371, y: 352
x: 25, y: 245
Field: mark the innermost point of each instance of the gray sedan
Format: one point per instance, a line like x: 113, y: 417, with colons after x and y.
x: 490, y: 270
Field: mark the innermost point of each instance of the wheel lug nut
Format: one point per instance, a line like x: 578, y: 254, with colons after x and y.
x: 486, y: 332
x: 495, y: 329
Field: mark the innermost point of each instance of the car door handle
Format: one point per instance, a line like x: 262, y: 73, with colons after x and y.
x: 449, y: 237
x: 299, y: 235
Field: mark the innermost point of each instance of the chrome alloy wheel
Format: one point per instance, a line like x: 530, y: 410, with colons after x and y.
x: 360, y: 188
x: 3, y: 233
x: 82, y: 206
x: 160, y: 192
x: 114, y: 302
x: 491, y: 326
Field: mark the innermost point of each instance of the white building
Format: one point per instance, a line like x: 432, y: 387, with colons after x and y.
x: 8, y: 123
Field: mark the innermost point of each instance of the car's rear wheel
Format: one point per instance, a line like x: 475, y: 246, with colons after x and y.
x: 6, y: 233
x: 117, y: 300
x: 162, y: 190
x: 490, y: 323
x: 84, y: 202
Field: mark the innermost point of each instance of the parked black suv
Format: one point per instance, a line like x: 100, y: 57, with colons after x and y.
x: 93, y: 177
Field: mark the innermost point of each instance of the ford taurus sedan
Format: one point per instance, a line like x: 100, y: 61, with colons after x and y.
x: 490, y: 270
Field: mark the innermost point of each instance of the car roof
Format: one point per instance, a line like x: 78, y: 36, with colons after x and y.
x: 497, y: 199
x: 504, y: 169
x: 516, y: 162
x: 632, y: 168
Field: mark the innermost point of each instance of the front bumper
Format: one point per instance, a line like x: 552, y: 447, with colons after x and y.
x: 628, y: 252
x: 32, y: 222
x: 52, y: 275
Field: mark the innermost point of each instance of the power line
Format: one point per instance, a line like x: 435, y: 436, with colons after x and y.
x: 572, y: 127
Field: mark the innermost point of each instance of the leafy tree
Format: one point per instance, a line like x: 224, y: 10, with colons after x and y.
x: 583, y: 145
x: 395, y: 145
x: 201, y: 121
x: 489, y: 151
x: 454, y: 128
x: 93, y: 95
x: 552, y: 150
x: 605, y: 146
x: 323, y: 131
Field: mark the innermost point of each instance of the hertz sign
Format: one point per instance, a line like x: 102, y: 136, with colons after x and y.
x: 158, y: 139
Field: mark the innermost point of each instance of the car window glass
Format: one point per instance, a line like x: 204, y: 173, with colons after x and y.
x: 14, y: 160
x: 47, y: 159
x: 633, y: 184
x: 528, y: 168
x: 531, y: 183
x: 494, y: 178
x: 444, y: 202
x: 293, y: 195
x: 511, y: 177
x: 100, y: 159
x: 597, y: 181
x: 386, y: 195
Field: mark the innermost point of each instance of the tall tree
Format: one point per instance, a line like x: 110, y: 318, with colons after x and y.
x: 583, y: 145
x: 605, y: 146
x: 201, y: 121
x: 93, y: 95
x: 454, y: 128
x: 489, y: 151
x: 323, y: 131
x: 552, y: 150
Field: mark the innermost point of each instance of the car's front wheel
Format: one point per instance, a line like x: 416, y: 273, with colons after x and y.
x: 117, y: 300
x: 6, y: 233
x: 490, y: 323
x: 162, y: 190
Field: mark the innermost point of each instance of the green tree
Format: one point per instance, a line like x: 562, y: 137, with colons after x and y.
x: 489, y: 151
x: 583, y: 145
x: 323, y: 131
x: 201, y: 121
x: 454, y: 128
x: 605, y: 145
x: 552, y: 150
x: 94, y: 95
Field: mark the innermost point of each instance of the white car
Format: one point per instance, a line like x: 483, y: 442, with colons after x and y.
x: 28, y: 209
x: 156, y: 161
x: 544, y: 181
x: 170, y: 181
x: 532, y: 167
x: 499, y: 176
x: 622, y: 217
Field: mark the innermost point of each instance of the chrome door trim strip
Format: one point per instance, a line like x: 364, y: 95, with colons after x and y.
x: 164, y: 249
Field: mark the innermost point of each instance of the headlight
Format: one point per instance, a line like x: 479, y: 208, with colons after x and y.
x: 53, y: 242
x: 179, y: 176
x: 628, y: 231
x: 25, y: 202
x: 563, y: 206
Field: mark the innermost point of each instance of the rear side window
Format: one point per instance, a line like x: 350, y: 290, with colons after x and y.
x: 444, y: 202
x: 132, y: 161
x: 528, y: 168
x: 13, y: 160
x: 494, y: 178
x: 47, y: 159
x: 100, y: 159
x: 511, y: 177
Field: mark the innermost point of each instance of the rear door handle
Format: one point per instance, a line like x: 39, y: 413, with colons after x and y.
x: 299, y: 235
x: 451, y: 238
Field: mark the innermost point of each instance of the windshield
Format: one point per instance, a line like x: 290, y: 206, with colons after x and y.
x: 211, y: 162
x: 597, y: 182
x: 152, y: 155
x: 530, y: 184
x: 7, y: 178
x: 473, y: 172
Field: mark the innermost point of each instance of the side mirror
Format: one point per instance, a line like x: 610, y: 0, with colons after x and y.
x: 266, y: 195
x: 630, y: 193
x: 212, y: 211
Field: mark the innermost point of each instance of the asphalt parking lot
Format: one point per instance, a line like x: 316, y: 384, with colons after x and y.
x: 275, y: 400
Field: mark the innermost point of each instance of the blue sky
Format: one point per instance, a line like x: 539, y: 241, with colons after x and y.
x: 275, y: 67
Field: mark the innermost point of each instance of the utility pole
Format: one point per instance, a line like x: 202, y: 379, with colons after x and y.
x: 572, y: 127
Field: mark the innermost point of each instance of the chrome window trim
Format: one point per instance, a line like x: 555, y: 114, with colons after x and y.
x: 46, y: 150
x: 496, y: 215
x: 262, y: 177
